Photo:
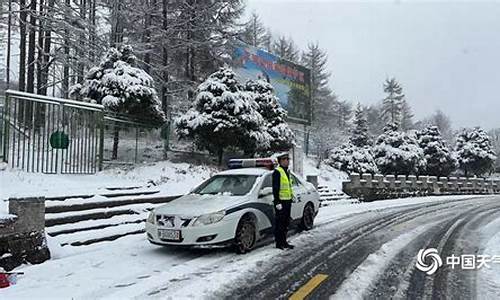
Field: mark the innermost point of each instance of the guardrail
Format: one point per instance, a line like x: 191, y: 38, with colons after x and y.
x: 368, y: 187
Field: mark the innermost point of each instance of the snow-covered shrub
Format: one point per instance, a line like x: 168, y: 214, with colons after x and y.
x: 224, y: 116
x: 274, y: 115
x: 474, y: 151
x: 352, y: 159
x: 398, y: 152
x: 440, y: 159
x: 122, y: 87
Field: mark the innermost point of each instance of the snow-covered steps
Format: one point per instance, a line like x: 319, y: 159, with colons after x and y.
x: 116, y: 193
x: 326, y: 194
x: 99, y: 235
x: 87, y: 219
x: 76, y: 204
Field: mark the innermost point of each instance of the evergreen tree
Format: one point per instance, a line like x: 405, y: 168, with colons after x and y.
x: 373, y: 113
x: 392, y: 103
x: 224, y: 116
x: 254, y: 32
x: 398, y: 152
x: 406, y: 116
x: 474, y: 152
x: 360, y: 136
x: 274, y: 115
x: 123, y: 88
x: 440, y: 160
x: 285, y: 48
x: 343, y: 114
x: 323, y: 101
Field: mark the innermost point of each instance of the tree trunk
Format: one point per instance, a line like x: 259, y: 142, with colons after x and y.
x: 40, y: 47
x: 146, y: 38
x: 65, y: 81
x: 22, y: 45
x: 164, y: 90
x: 116, y: 140
x: 43, y: 85
x: 79, y: 54
x: 30, y: 79
x: 92, y: 31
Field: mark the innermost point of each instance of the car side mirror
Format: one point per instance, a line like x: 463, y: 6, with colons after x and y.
x: 265, y: 192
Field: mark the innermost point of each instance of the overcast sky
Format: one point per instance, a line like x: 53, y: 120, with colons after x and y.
x: 446, y: 55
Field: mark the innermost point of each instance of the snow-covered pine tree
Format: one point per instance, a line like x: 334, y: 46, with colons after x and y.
x: 123, y: 88
x: 398, y: 152
x: 360, y: 136
x: 323, y: 101
x: 406, y: 116
x: 282, y: 136
x: 392, y: 103
x: 474, y: 152
x: 352, y: 159
x: 224, y: 116
x: 440, y: 159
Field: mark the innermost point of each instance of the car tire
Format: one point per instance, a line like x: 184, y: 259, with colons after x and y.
x: 307, y: 221
x: 246, y: 237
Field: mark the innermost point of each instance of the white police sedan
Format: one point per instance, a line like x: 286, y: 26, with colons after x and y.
x: 234, y: 207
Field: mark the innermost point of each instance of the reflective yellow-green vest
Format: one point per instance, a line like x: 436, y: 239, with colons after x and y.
x: 286, y: 192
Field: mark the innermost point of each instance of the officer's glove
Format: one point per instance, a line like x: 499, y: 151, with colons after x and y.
x: 279, y: 206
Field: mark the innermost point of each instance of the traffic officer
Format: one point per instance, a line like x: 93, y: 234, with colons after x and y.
x: 283, y: 194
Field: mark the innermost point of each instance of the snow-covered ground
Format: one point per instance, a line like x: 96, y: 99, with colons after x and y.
x: 489, y: 277
x: 169, y: 178
x: 132, y: 268
x: 327, y: 175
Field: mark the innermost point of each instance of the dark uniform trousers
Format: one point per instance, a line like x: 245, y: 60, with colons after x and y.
x: 282, y: 221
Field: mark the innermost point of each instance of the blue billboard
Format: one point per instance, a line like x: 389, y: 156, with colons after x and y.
x: 292, y: 82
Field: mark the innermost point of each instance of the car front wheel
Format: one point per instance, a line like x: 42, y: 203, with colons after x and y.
x: 245, y: 235
x: 307, y: 221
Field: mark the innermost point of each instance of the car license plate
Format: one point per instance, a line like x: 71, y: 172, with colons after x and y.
x: 169, y: 234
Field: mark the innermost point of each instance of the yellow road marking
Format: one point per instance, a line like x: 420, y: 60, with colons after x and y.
x: 307, y: 288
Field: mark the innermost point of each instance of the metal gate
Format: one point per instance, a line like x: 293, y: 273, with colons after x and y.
x: 52, y: 135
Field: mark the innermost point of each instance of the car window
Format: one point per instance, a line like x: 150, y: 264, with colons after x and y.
x: 237, y: 185
x: 295, y: 181
x: 268, y: 181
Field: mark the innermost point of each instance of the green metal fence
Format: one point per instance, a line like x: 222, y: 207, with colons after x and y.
x: 53, y: 135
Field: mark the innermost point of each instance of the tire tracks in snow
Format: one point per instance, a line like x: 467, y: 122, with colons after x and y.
x: 342, y: 251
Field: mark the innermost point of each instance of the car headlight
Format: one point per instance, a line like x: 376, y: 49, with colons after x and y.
x: 209, y: 218
x: 151, y: 218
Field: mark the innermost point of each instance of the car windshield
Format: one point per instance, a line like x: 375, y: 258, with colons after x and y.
x: 234, y: 185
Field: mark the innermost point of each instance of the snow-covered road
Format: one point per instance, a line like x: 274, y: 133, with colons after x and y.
x: 365, y: 249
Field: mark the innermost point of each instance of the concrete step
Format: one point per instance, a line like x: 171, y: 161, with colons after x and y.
x: 94, y: 227
x: 93, y: 236
x: 108, y: 195
x: 55, y: 207
x: 52, y: 219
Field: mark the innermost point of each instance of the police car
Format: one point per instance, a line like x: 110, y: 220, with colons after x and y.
x: 234, y: 207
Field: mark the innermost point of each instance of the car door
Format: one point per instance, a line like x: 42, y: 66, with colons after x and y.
x: 299, y: 192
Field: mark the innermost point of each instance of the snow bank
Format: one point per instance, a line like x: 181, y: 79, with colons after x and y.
x: 167, y: 177
x: 328, y: 176
x: 488, y: 278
